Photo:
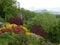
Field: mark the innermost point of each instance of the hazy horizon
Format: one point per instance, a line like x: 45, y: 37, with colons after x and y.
x: 51, y: 5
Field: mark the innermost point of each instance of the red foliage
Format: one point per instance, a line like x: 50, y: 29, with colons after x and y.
x: 4, y: 30
x: 16, y: 20
x: 17, y: 29
x: 0, y: 32
x: 38, y: 30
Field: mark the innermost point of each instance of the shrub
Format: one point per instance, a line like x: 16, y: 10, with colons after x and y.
x: 17, y: 29
x: 38, y: 30
x: 15, y: 20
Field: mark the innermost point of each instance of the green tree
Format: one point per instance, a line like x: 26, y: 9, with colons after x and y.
x: 58, y: 31
x: 8, y: 8
x: 46, y: 20
x: 28, y: 15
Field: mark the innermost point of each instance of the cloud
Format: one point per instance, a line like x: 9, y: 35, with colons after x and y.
x: 39, y: 4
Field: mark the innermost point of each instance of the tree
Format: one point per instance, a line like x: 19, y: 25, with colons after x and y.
x: 58, y: 31
x: 28, y: 15
x: 46, y: 20
x: 7, y: 8
x: 49, y: 24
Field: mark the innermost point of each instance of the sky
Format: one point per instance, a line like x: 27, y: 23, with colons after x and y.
x: 40, y: 4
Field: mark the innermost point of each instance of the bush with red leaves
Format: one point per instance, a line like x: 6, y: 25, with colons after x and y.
x: 17, y: 29
x: 4, y: 30
x: 39, y: 30
x: 15, y: 20
x: 0, y: 32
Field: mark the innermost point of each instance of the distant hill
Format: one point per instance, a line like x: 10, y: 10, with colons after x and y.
x: 53, y: 12
x: 40, y: 10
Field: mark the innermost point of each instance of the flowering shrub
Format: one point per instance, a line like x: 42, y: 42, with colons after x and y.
x: 14, y: 28
x: 15, y: 20
x: 14, y: 34
x: 24, y: 28
x: 38, y: 30
x: 17, y: 29
x: 9, y: 26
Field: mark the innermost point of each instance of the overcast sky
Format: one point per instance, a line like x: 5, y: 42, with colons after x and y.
x: 40, y: 4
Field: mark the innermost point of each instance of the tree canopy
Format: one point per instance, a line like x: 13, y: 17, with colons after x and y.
x: 8, y: 7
